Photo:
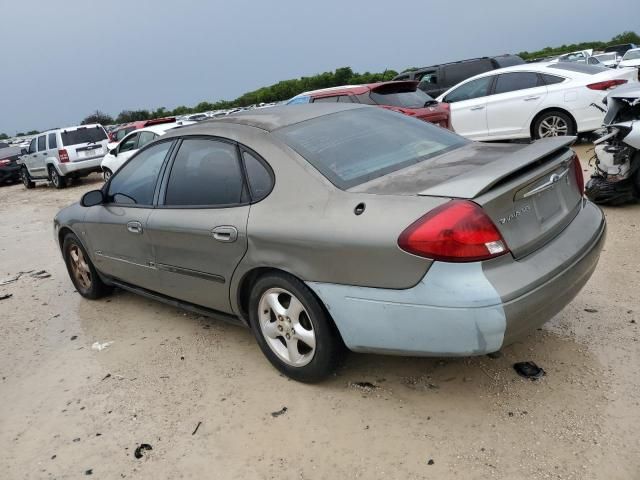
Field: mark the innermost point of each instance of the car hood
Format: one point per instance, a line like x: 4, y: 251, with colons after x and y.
x: 465, y: 172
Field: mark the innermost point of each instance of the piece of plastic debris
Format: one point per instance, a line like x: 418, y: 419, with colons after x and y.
x: 196, y: 429
x: 430, y: 462
x: 89, y: 472
x: 5, y: 296
x: 528, y: 370
x: 590, y: 310
x: 41, y: 274
x: 279, y: 412
x: 74, y: 337
x: 100, y: 346
x: 141, y: 447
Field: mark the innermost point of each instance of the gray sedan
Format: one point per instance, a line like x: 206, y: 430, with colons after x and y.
x: 328, y: 226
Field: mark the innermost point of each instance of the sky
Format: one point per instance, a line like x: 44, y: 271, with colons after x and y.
x: 61, y: 60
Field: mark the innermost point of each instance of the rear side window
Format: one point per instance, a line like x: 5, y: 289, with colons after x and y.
x: 511, y: 82
x: 354, y: 146
x: 120, y: 134
x: 470, y: 90
x: 135, y: 182
x: 260, y: 180
x: 145, y: 137
x: 205, y: 173
x: 42, y: 143
x: 345, y: 99
x: 551, y: 79
x: 400, y: 96
x: 53, y: 141
x: 83, y: 135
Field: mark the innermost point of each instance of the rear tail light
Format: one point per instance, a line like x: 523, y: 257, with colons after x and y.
x: 4, y: 163
x: 606, y: 85
x: 577, y: 169
x: 63, y: 155
x: 458, y: 231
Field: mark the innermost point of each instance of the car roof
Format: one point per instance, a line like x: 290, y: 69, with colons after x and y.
x: 268, y: 119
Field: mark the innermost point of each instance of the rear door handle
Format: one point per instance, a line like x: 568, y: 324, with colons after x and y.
x: 134, y: 227
x: 479, y: 107
x: 225, y: 233
x: 528, y: 99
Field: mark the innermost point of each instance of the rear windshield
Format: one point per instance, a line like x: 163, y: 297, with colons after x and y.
x: 83, y: 135
x: 408, y: 96
x: 580, y: 68
x: 632, y: 55
x: 354, y: 146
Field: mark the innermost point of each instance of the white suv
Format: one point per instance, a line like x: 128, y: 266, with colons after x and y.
x: 63, y: 153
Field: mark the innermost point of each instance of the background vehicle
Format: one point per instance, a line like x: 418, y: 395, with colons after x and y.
x: 9, y: 166
x: 436, y: 79
x: 534, y: 100
x: 417, y: 228
x: 119, y: 133
x: 631, y: 59
x: 130, y: 144
x: 60, y: 154
x: 399, y: 96
x: 616, y: 179
x: 620, y: 49
x: 610, y: 59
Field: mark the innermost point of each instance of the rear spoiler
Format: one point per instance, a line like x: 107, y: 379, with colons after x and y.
x: 481, y: 179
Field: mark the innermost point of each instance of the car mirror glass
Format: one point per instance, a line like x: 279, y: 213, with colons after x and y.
x: 92, y: 198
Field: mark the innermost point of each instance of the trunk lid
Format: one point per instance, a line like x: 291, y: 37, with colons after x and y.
x: 529, y: 191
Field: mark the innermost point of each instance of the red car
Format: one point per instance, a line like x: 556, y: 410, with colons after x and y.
x: 119, y: 133
x: 403, y: 97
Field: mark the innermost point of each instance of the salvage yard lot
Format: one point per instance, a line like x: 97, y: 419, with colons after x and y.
x: 67, y: 410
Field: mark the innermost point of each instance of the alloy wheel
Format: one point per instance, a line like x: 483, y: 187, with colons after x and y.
x: 80, y: 267
x: 286, y: 326
x: 553, y: 126
x: 55, y: 179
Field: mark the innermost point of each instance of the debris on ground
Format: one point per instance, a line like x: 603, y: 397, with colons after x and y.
x: 196, y: 429
x: 430, y: 462
x: 364, y: 386
x: 5, y: 296
x: 141, y: 447
x: 528, y: 370
x: 106, y: 376
x: 74, y: 337
x: 591, y: 310
x: 89, y: 472
x: 494, y: 355
x: 100, y: 346
x: 14, y: 278
x: 40, y: 274
x: 419, y: 383
x: 279, y: 412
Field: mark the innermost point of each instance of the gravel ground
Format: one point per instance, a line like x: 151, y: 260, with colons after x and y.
x: 67, y: 410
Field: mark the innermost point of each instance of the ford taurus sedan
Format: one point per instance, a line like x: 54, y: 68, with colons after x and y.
x: 328, y: 226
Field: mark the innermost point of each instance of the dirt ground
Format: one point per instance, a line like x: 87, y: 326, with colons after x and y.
x: 67, y: 410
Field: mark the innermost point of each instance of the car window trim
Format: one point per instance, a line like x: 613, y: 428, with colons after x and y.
x: 162, y: 194
x: 105, y: 187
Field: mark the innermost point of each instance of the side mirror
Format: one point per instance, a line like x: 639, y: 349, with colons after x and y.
x: 92, y: 198
x: 114, y: 151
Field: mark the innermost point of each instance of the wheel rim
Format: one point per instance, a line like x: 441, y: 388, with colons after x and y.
x: 553, y: 126
x: 107, y: 175
x: 80, y: 267
x: 54, y: 177
x: 25, y: 177
x: 286, y: 326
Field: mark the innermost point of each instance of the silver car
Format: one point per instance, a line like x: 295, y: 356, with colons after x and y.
x: 328, y: 226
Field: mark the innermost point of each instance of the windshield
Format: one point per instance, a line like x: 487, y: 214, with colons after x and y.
x: 354, y: 146
x: 400, y: 96
x: 83, y: 135
x: 631, y: 55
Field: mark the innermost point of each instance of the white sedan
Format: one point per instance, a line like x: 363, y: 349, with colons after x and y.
x: 130, y: 144
x: 533, y: 100
x: 630, y: 59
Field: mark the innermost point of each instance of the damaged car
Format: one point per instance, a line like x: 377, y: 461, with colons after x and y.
x: 342, y: 226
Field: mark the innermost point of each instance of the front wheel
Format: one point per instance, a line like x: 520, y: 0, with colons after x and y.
x: 553, y: 124
x: 26, y: 178
x: 57, y: 180
x: 292, y: 328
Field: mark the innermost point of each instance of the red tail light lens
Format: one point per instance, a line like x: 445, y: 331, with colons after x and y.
x: 606, y: 85
x: 63, y: 155
x: 458, y: 231
x: 4, y: 163
x: 577, y: 169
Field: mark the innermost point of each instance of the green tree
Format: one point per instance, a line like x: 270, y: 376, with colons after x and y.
x: 98, y: 117
x: 33, y: 132
x: 3, y: 136
x: 127, y: 116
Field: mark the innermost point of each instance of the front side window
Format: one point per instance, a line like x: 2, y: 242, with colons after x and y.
x: 32, y: 146
x: 135, y: 182
x: 299, y: 99
x: 42, y: 143
x: 205, y: 173
x: 129, y: 143
x: 53, y: 141
x: 120, y: 134
x: 474, y: 89
x: 354, y: 146
x: 511, y: 82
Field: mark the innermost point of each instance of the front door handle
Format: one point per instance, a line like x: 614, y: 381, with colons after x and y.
x: 225, y: 233
x: 134, y: 227
x: 528, y: 99
x: 479, y: 107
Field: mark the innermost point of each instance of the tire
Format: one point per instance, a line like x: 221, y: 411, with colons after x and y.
x: 26, y: 179
x: 553, y: 123
x: 106, y: 174
x: 81, y: 270
x: 57, y: 180
x: 286, y: 339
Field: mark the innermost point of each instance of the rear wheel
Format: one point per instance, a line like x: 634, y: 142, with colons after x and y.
x: 107, y: 174
x: 57, y: 180
x: 553, y: 124
x: 26, y: 178
x: 81, y: 270
x: 292, y: 328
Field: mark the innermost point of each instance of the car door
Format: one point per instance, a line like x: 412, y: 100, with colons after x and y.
x: 117, y: 230
x: 516, y: 98
x: 39, y: 167
x: 468, y: 107
x: 31, y: 158
x: 199, y: 228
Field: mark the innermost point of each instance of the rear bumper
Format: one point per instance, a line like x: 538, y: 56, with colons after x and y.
x: 80, y: 167
x: 470, y: 308
x: 9, y: 173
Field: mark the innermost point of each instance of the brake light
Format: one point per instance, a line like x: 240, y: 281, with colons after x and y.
x: 63, y: 155
x: 4, y: 163
x: 577, y: 170
x: 458, y: 231
x: 606, y: 85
